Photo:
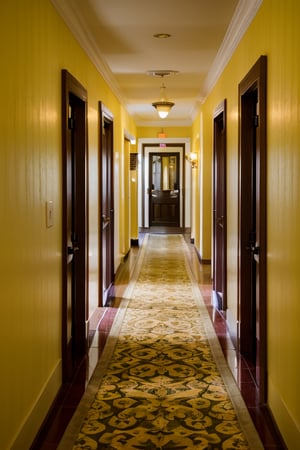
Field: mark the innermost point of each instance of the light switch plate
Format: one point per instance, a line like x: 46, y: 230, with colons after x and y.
x: 49, y: 214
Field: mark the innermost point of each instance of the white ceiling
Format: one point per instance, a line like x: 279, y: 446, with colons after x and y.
x: 118, y: 37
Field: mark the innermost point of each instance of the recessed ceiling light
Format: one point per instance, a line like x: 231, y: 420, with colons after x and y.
x: 162, y: 35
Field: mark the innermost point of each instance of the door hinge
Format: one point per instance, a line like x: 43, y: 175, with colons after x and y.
x: 71, y: 123
x: 256, y: 120
x: 103, y: 126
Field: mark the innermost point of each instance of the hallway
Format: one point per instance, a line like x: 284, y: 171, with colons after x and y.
x: 69, y: 399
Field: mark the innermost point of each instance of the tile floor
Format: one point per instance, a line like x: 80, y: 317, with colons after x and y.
x: 71, y: 394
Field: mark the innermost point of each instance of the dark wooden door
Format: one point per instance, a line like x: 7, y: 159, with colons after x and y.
x: 219, y: 208
x: 75, y: 228
x: 252, y: 222
x: 107, y: 204
x: 164, y: 193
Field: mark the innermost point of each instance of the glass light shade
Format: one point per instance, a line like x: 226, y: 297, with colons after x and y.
x: 192, y: 158
x: 163, y: 106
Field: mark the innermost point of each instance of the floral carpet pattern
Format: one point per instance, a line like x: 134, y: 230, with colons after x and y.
x: 161, y: 388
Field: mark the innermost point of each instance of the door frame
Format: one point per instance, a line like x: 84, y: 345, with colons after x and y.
x: 255, y: 80
x: 105, y: 116
x: 142, y: 144
x: 79, y: 312
x: 147, y: 146
x: 220, y: 194
x: 127, y: 197
x: 150, y: 177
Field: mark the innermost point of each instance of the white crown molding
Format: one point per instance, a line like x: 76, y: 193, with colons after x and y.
x: 129, y: 137
x: 82, y: 35
x: 243, y: 16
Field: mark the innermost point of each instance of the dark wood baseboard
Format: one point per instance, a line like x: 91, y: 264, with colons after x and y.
x: 74, y: 389
x: 201, y: 260
x: 134, y: 242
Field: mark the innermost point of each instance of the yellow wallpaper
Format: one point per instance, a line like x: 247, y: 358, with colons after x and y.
x: 275, y: 32
x: 171, y: 132
x: 197, y: 204
x: 34, y: 46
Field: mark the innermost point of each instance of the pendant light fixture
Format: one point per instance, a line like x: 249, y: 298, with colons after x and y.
x: 163, y: 105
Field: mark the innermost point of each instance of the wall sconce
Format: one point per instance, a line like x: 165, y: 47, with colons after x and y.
x: 192, y: 158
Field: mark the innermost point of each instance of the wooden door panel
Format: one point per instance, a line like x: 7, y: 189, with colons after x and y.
x: 106, y: 196
x: 165, y: 208
x: 219, y: 209
x: 164, y: 195
x: 75, y: 227
x: 252, y: 222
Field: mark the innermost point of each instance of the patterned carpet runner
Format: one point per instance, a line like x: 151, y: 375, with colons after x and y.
x: 162, y: 381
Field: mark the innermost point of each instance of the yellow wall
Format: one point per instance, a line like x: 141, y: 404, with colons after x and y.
x: 35, y: 46
x: 274, y: 32
x: 201, y: 192
x: 171, y: 132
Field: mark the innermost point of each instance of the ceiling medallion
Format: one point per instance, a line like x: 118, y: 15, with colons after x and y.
x: 162, y: 35
x: 161, y: 73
